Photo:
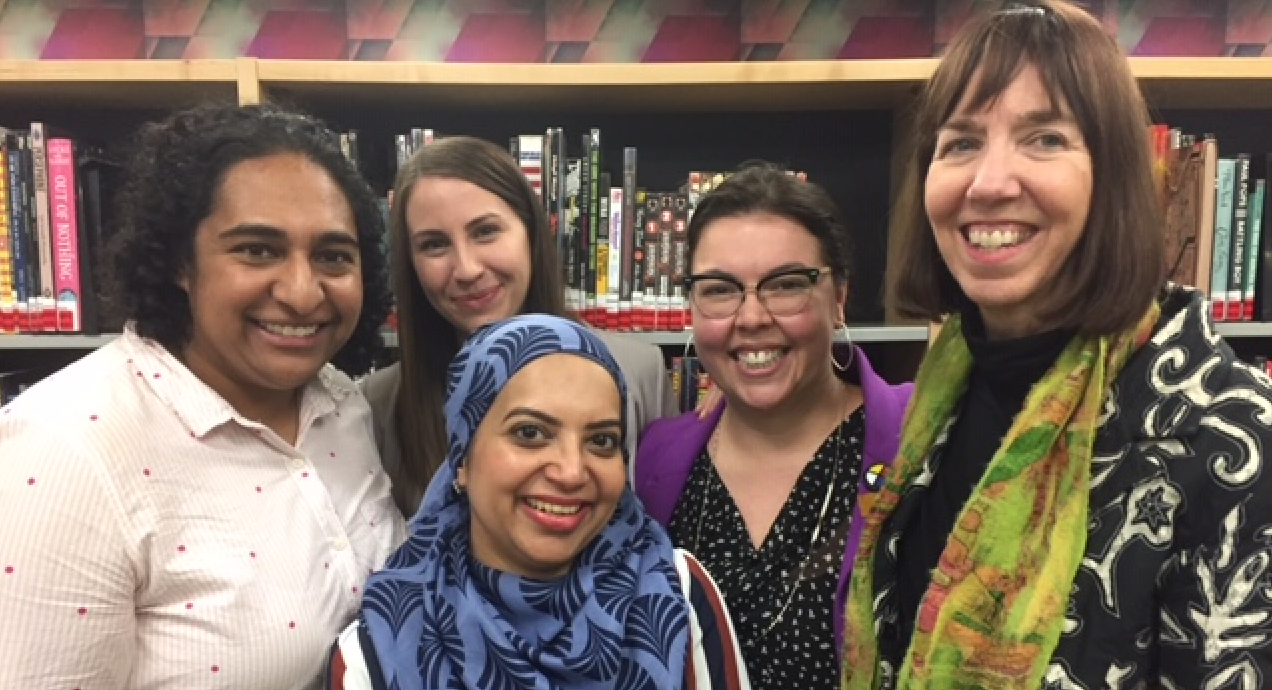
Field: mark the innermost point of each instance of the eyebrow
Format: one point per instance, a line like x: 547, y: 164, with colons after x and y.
x: 783, y: 268
x: 483, y: 218
x: 553, y: 421
x: 260, y: 231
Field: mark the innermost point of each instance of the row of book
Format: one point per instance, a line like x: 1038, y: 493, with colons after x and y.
x: 1215, y: 209
x: 50, y: 225
x: 622, y: 246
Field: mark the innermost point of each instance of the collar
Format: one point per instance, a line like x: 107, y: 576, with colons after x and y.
x: 200, y: 408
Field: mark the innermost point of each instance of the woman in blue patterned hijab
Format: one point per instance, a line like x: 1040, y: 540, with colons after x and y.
x: 456, y: 607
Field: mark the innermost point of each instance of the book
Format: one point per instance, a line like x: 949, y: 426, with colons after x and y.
x: 1224, y: 198
x: 1254, y: 228
x: 1237, y: 252
x: 64, y: 221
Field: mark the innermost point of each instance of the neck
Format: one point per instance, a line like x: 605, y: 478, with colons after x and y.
x: 808, y: 413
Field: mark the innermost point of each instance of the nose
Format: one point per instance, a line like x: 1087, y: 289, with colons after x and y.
x: 568, y: 470
x: 996, y: 174
x: 299, y: 287
x: 468, y: 265
x: 752, y: 313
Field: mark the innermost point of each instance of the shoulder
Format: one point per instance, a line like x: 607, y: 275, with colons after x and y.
x: 672, y: 430
x: 96, y: 399
x: 876, y: 389
x: 1187, y: 412
x: 381, y: 388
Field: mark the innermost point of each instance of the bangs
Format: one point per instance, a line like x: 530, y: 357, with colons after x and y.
x: 1003, y: 44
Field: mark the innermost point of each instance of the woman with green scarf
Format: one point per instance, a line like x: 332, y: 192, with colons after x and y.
x: 1080, y: 498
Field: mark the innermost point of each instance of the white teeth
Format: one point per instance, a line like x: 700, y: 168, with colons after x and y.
x: 759, y: 359
x: 996, y: 239
x: 290, y: 331
x: 553, y: 508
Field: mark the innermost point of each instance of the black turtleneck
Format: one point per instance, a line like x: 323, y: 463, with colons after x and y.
x: 1002, y: 373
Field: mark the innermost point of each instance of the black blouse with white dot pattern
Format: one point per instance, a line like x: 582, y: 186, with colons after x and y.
x: 799, y: 650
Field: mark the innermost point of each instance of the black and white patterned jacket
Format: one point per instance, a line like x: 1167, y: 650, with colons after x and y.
x: 1175, y: 588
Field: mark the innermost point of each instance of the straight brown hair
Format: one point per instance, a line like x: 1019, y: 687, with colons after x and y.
x: 426, y: 340
x: 1117, y: 267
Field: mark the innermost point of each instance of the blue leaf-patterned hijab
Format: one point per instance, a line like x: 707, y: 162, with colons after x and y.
x: 438, y: 619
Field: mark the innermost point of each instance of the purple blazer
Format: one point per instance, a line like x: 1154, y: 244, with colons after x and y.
x: 669, y: 446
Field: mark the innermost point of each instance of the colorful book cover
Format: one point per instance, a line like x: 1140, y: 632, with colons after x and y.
x: 65, y: 230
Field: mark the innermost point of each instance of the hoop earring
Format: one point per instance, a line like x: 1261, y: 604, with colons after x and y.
x: 688, y: 345
x: 842, y: 330
x: 459, y: 490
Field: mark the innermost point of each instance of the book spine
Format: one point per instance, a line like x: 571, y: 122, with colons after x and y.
x: 1227, y: 170
x: 46, y: 318
x: 586, y: 256
x: 88, y: 173
x: 26, y: 181
x: 663, y: 311
x: 530, y: 158
x: 649, y: 310
x: 628, y: 245
x: 600, y: 313
x: 636, y: 318
x: 1237, y: 252
x: 1209, y: 151
x: 8, y: 297
x: 572, y: 277
x: 613, y: 301
x: 18, y: 239
x: 65, y: 221
x: 1254, y: 225
x: 679, y: 261
x: 561, y: 203
x: 593, y: 152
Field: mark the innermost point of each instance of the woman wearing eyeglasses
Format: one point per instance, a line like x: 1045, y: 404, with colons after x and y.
x: 763, y: 488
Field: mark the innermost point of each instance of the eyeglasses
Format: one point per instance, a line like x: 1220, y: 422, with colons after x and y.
x: 782, y: 294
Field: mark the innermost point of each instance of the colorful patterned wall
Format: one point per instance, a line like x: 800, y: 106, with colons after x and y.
x: 578, y: 30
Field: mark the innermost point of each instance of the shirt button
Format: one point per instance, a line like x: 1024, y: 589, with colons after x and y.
x: 340, y: 544
x: 296, y: 463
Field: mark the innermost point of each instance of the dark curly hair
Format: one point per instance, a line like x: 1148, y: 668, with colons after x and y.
x: 176, y: 168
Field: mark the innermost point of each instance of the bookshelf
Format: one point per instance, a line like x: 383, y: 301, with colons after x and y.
x: 740, y: 106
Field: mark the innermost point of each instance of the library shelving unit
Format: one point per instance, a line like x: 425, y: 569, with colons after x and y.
x: 836, y: 119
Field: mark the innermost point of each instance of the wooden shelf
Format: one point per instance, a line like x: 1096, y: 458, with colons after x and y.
x: 1205, y: 83
x: 665, y: 87
x: 118, y: 84
x: 1169, y: 83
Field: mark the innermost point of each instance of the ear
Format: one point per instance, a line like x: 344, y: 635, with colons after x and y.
x: 841, y: 301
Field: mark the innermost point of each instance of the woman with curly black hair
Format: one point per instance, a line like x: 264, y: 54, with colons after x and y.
x: 197, y: 503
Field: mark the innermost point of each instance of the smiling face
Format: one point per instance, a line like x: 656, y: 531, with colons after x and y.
x: 759, y: 360
x: 275, y: 285
x: 470, y: 250
x: 545, y: 469
x: 1007, y: 193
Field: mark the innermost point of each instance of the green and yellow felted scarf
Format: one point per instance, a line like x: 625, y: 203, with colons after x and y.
x: 993, y: 611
